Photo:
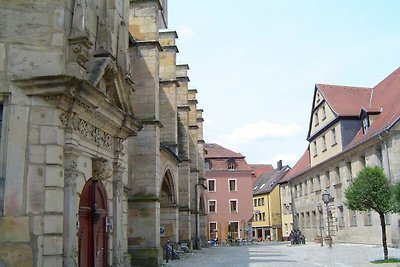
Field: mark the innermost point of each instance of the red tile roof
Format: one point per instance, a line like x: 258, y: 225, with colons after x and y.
x: 350, y: 101
x: 217, y: 151
x: 386, y: 98
x: 302, y: 165
x: 345, y: 100
x: 259, y: 169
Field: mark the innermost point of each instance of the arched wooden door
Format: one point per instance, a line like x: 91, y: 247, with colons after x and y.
x: 92, y: 234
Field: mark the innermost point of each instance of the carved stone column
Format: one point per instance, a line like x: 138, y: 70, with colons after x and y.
x: 70, y: 213
x: 117, y: 215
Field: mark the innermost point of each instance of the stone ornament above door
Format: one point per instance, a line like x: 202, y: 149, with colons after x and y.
x: 102, y: 169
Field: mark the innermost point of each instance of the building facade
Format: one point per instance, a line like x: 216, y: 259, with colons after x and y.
x: 267, y: 219
x: 100, y: 133
x: 350, y: 128
x: 229, y: 194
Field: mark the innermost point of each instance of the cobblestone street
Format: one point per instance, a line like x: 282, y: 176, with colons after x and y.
x: 283, y: 254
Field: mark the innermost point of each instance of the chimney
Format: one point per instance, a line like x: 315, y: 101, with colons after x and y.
x: 279, y: 165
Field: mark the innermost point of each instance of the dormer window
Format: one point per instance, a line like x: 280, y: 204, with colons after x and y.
x: 231, y: 164
x: 365, y: 124
x: 367, y: 116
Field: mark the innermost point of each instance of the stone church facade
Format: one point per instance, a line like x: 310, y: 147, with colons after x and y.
x: 101, y: 146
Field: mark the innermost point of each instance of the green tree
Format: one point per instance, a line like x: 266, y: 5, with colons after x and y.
x: 371, y: 190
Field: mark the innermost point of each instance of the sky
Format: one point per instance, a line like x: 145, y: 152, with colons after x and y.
x: 255, y: 64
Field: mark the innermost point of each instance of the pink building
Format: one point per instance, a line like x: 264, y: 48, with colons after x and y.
x: 229, y: 194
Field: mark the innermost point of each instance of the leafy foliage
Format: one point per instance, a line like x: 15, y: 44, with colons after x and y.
x: 371, y: 189
x: 396, y: 197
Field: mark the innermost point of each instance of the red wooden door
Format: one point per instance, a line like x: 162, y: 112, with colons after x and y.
x: 92, y: 235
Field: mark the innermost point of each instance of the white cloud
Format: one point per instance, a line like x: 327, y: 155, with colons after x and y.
x: 259, y: 130
x: 185, y: 31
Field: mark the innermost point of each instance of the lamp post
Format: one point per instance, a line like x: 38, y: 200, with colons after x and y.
x: 326, y: 198
x: 319, y: 208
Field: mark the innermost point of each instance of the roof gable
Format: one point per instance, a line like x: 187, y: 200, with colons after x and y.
x: 301, y: 166
x: 385, y: 98
x: 269, y: 180
x: 217, y: 151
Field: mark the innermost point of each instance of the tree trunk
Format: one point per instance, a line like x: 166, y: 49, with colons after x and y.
x: 384, y: 242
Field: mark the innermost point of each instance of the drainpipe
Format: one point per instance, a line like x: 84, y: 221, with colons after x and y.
x: 387, y: 157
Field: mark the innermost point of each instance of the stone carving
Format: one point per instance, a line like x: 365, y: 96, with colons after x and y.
x: 71, y: 172
x: 102, y: 169
x: 86, y: 130
x: 117, y: 255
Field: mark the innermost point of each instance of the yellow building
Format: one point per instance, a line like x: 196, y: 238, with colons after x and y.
x: 267, y: 221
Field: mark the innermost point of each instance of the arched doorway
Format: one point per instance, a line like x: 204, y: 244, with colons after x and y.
x: 92, y: 234
x: 168, y: 209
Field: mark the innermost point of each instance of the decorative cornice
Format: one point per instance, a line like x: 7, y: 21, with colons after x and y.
x: 183, y: 79
x: 171, y: 81
x: 152, y: 122
x: 150, y: 43
x: 158, y: 3
x: 184, y: 108
x: 169, y: 48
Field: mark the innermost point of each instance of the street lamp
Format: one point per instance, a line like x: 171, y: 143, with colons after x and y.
x: 319, y: 208
x: 326, y: 198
